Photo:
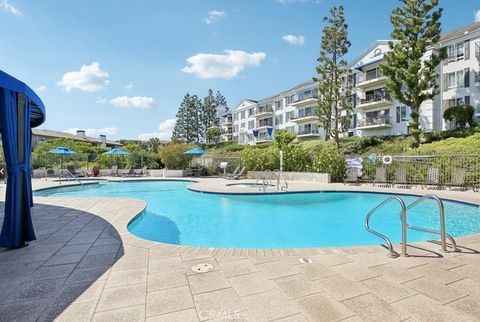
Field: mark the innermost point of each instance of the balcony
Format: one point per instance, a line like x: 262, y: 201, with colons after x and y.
x: 304, y: 117
x: 372, y: 101
x: 380, y: 122
x: 263, y: 126
x: 307, y: 133
x: 477, y: 79
x: 305, y: 99
x: 227, y: 121
x: 371, y: 80
x: 263, y: 111
x: 477, y: 50
x: 477, y: 110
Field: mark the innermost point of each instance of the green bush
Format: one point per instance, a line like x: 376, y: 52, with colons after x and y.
x: 172, y: 156
x: 330, y: 160
x: 260, y: 159
x: 460, y: 114
x: 296, y: 158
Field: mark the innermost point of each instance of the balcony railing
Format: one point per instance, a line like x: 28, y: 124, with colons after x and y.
x: 263, y: 124
x: 263, y: 109
x: 375, y: 98
x: 307, y: 132
x: 477, y: 49
x: 302, y: 115
x: 303, y: 97
x: 381, y: 120
x: 477, y: 79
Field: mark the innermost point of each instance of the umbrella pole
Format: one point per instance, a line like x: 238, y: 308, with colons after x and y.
x: 61, y: 167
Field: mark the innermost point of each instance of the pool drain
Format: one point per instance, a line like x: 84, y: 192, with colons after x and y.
x: 202, y: 268
x: 304, y: 260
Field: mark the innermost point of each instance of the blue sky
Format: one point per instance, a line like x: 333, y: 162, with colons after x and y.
x: 121, y: 68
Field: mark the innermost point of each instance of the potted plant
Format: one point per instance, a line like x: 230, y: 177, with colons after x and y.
x: 96, y: 170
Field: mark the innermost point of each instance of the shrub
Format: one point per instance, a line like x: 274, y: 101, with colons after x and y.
x: 460, y: 114
x: 296, y: 158
x: 172, y: 156
x: 260, y: 159
x: 283, y: 138
x: 330, y: 160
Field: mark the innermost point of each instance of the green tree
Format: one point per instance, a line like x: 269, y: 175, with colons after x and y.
x: 411, y: 73
x: 188, y: 126
x: 220, y: 103
x: 283, y: 138
x: 213, y: 135
x: 460, y: 114
x: 334, y: 106
x: 209, y: 110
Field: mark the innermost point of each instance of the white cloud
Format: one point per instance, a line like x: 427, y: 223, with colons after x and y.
x: 140, y: 102
x: 477, y: 16
x: 41, y: 89
x: 6, y: 5
x: 226, y: 66
x: 294, y: 40
x: 108, y: 131
x: 101, y: 101
x: 129, y: 86
x: 164, y: 132
x: 213, y: 16
x: 90, y: 78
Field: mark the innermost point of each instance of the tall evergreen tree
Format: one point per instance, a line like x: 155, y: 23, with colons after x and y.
x: 188, y: 126
x: 179, y: 131
x: 221, y: 103
x: 411, y: 75
x: 209, y: 112
x: 334, y: 105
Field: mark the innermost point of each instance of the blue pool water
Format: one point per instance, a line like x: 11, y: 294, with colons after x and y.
x: 178, y: 216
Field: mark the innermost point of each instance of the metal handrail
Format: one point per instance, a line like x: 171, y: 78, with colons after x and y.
x: 279, y: 177
x: 441, y: 211
x: 71, y: 175
x: 392, y: 252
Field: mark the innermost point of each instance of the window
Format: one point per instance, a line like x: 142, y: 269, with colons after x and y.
x: 456, y: 79
x: 235, y: 117
x: 291, y: 129
x: 288, y: 116
x: 372, y: 73
x: 235, y: 128
x: 456, y: 52
x: 278, y: 105
x: 251, y: 124
x: 242, y: 125
x: 402, y: 114
x: 290, y: 99
x: 278, y: 119
x: 242, y: 115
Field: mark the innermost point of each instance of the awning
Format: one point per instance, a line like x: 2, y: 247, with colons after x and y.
x: 20, y: 110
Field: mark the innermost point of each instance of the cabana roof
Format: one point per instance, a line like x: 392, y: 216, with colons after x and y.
x: 13, y: 84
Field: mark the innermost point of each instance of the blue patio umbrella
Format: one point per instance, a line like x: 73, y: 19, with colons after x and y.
x: 20, y: 110
x: 195, y: 151
x: 117, y: 151
x: 62, y: 151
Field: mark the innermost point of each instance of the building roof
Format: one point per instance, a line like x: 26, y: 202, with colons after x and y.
x: 65, y: 135
x: 460, y: 32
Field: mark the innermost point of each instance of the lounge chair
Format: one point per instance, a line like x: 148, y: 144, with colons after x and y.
x: 237, y: 175
x: 114, y: 171
x: 140, y: 172
x: 458, y: 179
x: 401, y: 177
x: 380, y: 177
x: 433, y: 179
x: 352, y: 176
x: 229, y: 175
x: 125, y: 172
x: 39, y: 173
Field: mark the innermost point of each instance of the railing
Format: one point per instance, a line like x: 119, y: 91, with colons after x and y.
x: 477, y: 78
x: 477, y: 49
x: 441, y: 212
x: 374, y: 121
x: 264, y: 109
x: 303, y: 97
x: 262, y: 124
x: 306, y: 132
x: 375, y: 99
x: 279, y: 177
x: 403, y: 214
x: 69, y: 174
x: 307, y: 114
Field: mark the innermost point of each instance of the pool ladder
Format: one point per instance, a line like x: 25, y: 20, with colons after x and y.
x: 268, y: 176
x: 405, y: 225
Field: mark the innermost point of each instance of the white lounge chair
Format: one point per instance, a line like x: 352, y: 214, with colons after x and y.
x: 236, y: 176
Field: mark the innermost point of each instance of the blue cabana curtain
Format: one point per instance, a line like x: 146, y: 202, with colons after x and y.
x: 17, y: 226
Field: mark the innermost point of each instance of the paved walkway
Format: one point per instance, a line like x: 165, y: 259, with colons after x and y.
x: 86, y: 266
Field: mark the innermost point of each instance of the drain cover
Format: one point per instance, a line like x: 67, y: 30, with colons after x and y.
x: 202, y: 268
x: 304, y: 260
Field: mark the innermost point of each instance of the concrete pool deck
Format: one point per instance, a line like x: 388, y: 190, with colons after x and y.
x: 86, y: 266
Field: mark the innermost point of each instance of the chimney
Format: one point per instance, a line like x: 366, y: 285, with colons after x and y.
x: 81, y: 133
x: 103, y: 140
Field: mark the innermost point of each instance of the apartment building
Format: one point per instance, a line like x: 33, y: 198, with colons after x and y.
x: 375, y: 112
x: 460, y: 81
x: 293, y: 110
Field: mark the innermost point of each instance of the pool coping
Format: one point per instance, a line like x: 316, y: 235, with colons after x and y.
x: 300, y: 251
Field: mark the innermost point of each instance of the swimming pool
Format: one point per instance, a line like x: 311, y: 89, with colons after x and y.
x: 177, y: 215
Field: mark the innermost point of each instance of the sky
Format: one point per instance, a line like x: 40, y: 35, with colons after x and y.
x: 121, y: 68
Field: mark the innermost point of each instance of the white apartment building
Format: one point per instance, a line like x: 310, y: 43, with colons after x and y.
x: 375, y: 113
x: 292, y: 110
